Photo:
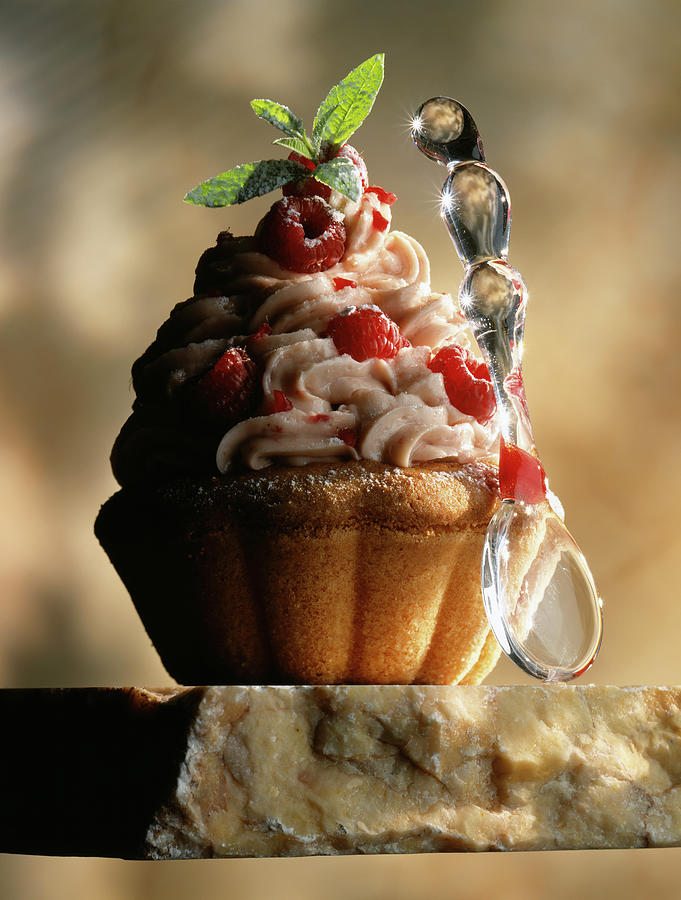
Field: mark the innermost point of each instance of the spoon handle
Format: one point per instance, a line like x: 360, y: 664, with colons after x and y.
x: 476, y: 208
x: 547, y: 618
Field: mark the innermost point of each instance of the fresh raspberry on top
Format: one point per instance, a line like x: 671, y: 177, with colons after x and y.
x: 466, y: 381
x: 310, y: 187
x: 365, y: 332
x: 305, y: 187
x: 226, y: 392
x: 303, y: 234
x: 303, y: 160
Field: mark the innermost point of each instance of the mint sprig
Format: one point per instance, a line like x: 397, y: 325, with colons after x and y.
x: 244, y: 182
x: 348, y: 104
x: 295, y: 144
x: 341, y: 113
x: 282, y: 118
x: 340, y: 174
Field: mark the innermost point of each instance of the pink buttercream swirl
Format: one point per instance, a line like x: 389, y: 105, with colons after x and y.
x: 395, y: 410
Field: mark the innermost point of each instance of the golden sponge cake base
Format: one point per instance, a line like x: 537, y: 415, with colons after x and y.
x: 329, y: 573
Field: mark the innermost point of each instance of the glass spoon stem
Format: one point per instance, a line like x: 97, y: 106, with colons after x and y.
x: 476, y: 208
x: 545, y: 613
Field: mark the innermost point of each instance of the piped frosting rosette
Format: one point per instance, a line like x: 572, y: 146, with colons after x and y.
x: 312, y: 401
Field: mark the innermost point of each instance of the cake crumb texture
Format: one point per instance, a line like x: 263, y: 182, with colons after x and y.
x: 324, y: 574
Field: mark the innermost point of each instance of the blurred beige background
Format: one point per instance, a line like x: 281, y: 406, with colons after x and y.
x: 111, y: 109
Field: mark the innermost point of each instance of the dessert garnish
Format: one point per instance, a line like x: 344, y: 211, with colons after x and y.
x: 317, y: 163
x: 365, y: 332
x: 549, y: 619
x: 226, y: 392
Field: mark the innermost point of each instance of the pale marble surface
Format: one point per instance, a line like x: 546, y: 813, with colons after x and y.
x: 305, y: 771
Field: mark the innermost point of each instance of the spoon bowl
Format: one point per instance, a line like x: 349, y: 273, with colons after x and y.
x: 544, y: 616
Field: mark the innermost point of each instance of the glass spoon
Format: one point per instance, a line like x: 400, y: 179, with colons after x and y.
x: 547, y: 617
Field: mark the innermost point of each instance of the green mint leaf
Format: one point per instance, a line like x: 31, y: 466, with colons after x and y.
x: 297, y: 145
x: 348, y: 103
x: 341, y: 175
x: 282, y: 118
x: 278, y: 115
x: 245, y: 182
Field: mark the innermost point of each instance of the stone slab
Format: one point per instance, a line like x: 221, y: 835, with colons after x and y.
x: 315, y: 770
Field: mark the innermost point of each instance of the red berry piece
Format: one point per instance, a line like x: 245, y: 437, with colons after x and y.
x: 318, y: 417
x: 303, y: 160
x: 365, y: 332
x: 466, y: 381
x: 348, y: 436
x: 380, y: 221
x: 340, y: 283
x: 303, y: 234
x: 226, y: 392
x: 521, y: 476
x: 279, y: 403
x: 383, y: 196
x: 306, y: 187
x: 264, y: 331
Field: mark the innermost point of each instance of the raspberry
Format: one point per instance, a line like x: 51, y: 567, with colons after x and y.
x: 466, y: 381
x: 303, y: 234
x: 279, y: 403
x: 226, y: 392
x: 264, y: 331
x: 348, y: 436
x: 365, y: 332
x: 305, y: 187
x: 310, y: 187
x: 303, y: 160
x: 383, y: 196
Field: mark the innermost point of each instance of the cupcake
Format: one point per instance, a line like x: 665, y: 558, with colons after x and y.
x: 310, y: 464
